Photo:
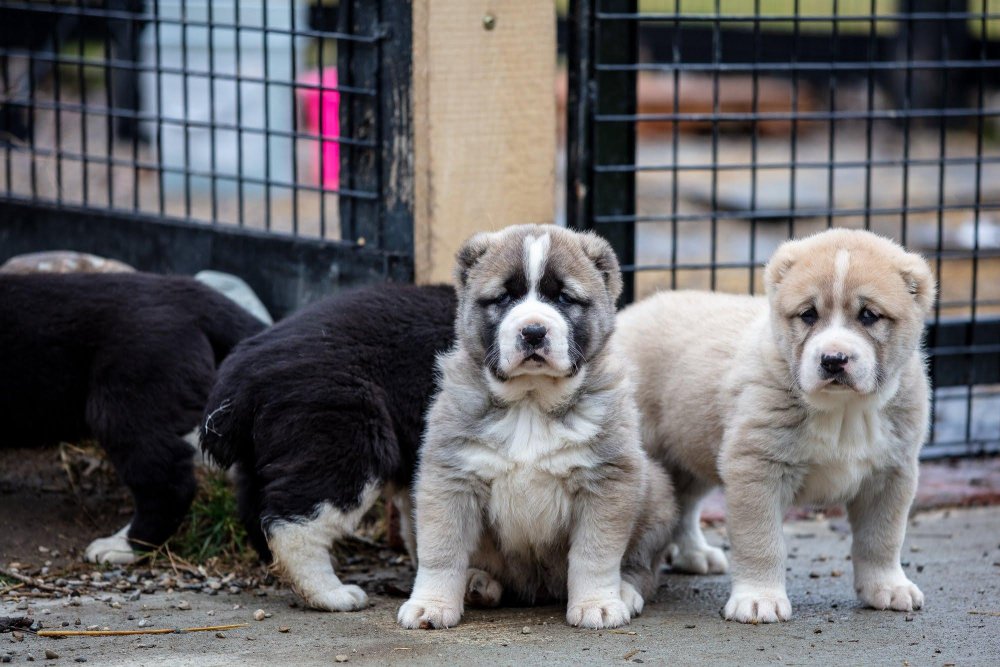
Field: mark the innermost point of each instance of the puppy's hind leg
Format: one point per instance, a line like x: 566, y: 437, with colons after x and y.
x: 690, y: 551
x: 301, y: 550
x: 651, y: 538
x: 112, y: 549
x: 482, y: 590
x: 139, y: 405
x: 159, y: 472
x: 640, y: 569
x: 403, y: 501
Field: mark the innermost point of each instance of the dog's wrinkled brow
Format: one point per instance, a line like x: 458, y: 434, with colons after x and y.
x: 494, y: 284
x: 573, y: 286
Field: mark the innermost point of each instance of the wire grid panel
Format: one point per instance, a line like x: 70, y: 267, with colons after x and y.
x: 761, y: 120
x: 221, y: 112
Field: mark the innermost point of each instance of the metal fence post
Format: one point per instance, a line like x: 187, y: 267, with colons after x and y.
x: 395, y: 132
x: 594, y: 93
x: 384, y: 122
x: 579, y: 108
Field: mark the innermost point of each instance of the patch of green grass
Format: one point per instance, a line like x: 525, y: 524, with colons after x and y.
x: 212, y: 528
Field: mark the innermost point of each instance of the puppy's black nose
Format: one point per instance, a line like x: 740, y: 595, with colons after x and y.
x: 534, y: 334
x: 833, y: 363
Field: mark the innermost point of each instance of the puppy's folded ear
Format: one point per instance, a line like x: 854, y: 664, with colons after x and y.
x: 919, y: 280
x: 470, y: 253
x: 781, y: 261
x: 604, y: 258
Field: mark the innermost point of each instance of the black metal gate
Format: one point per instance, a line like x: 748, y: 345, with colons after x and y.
x: 269, y: 138
x: 702, y: 133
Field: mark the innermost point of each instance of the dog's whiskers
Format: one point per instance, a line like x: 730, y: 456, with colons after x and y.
x: 577, y: 351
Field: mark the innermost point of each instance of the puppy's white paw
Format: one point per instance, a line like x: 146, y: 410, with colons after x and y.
x: 892, y: 592
x: 482, y: 590
x: 632, y: 599
x: 757, y: 605
x: 597, y: 614
x: 704, y: 559
x: 428, y: 614
x: 114, y: 549
x: 345, y: 597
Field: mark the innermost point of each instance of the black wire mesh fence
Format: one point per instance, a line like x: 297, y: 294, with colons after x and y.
x: 270, y: 117
x: 702, y: 133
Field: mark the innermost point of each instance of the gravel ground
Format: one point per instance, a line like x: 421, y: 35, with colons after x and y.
x: 954, y: 555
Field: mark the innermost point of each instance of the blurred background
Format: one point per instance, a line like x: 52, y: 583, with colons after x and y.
x: 308, y: 146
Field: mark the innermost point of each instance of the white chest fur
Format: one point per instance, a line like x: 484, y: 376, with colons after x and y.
x: 842, y: 447
x: 528, y: 460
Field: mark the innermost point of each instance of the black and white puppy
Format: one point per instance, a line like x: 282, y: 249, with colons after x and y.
x: 533, y: 481
x: 127, y: 359
x: 322, y: 413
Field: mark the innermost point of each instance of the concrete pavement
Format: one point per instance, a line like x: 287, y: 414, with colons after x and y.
x: 953, y: 555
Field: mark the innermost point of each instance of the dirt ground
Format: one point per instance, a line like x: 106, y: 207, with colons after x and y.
x: 954, y: 555
x: 59, y: 500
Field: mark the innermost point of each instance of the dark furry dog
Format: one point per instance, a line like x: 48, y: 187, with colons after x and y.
x: 127, y: 359
x: 320, y: 414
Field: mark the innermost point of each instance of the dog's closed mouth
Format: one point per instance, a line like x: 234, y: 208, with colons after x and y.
x: 536, y: 357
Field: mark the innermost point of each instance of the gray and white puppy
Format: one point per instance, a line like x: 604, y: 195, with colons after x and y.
x: 532, y: 472
x: 816, y: 393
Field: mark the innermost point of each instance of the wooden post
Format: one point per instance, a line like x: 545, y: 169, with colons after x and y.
x: 484, y: 122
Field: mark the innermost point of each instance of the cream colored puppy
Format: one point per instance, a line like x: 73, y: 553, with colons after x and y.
x: 817, y: 393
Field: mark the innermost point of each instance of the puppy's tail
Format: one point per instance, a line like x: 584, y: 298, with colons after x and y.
x: 226, y: 427
x: 225, y: 424
x: 227, y: 433
x: 226, y: 430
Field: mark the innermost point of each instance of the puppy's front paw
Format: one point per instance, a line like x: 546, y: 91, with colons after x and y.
x: 428, y: 614
x: 345, y: 597
x: 757, y: 605
x: 704, y: 559
x: 114, y: 549
x: 482, y: 590
x: 597, y: 614
x: 632, y: 598
x: 891, y: 592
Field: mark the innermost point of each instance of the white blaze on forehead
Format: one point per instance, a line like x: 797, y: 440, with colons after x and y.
x: 536, y: 250
x: 839, y: 338
x: 532, y: 309
x: 840, y: 265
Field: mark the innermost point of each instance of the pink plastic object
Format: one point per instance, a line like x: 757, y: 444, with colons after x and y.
x: 322, y: 109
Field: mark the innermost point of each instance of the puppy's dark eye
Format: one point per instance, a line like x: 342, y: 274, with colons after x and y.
x: 867, y: 317
x: 810, y: 316
x: 565, y: 299
x: 501, y: 300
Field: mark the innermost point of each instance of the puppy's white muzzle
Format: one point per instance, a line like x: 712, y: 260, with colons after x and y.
x: 838, y: 359
x: 523, y: 351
